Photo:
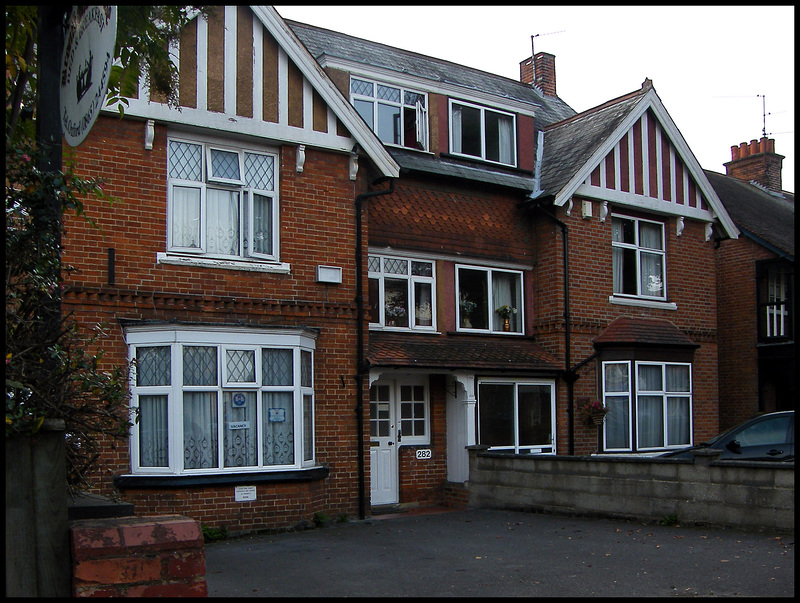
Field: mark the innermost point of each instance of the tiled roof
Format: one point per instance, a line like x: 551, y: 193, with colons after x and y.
x: 643, y: 331
x: 568, y: 145
x: 760, y: 215
x: 520, y: 354
x: 324, y: 42
x: 451, y: 167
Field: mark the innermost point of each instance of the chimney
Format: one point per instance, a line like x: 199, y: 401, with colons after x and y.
x: 539, y: 71
x: 756, y: 161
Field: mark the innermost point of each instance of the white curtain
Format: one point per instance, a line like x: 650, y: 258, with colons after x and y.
x: 185, y: 217
x: 503, y: 294
x: 262, y: 224
x: 200, y: 433
x: 423, y: 310
x: 223, y: 222
x: 240, y: 429
x: 678, y: 407
x: 651, y: 274
x: 650, y: 421
x: 456, y: 129
x: 153, y: 431
x: 506, y: 140
x: 278, y: 428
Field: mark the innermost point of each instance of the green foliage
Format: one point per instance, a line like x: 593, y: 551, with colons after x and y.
x: 51, y: 371
x: 54, y: 369
x: 670, y: 520
x: 213, y: 534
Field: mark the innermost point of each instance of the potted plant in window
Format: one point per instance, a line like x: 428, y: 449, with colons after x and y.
x: 593, y: 412
x: 393, y: 313
x: 467, y: 308
x: 505, y: 313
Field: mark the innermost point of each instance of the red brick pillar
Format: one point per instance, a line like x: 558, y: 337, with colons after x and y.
x: 160, y: 556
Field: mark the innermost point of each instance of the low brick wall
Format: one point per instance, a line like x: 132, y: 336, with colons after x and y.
x: 748, y: 495
x: 160, y: 556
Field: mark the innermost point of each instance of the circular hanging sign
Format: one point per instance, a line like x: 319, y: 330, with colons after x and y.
x: 85, y: 68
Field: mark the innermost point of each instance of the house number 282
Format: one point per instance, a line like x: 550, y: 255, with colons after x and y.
x: 424, y: 453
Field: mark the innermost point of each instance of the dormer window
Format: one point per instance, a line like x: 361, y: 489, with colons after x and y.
x: 397, y: 115
x: 479, y: 132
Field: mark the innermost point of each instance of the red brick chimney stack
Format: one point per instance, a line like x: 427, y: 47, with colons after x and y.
x: 758, y: 161
x: 544, y: 74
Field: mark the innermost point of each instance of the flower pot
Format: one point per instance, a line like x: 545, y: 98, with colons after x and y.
x: 598, y: 419
x: 506, y: 324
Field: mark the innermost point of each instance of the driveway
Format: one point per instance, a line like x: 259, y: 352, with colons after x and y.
x: 491, y: 553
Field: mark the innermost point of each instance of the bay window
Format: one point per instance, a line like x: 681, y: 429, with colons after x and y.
x: 479, y: 132
x: 219, y: 401
x: 397, y: 115
x: 650, y: 409
x: 489, y: 299
x: 518, y: 416
x: 401, y: 293
x: 638, y: 257
x: 222, y: 202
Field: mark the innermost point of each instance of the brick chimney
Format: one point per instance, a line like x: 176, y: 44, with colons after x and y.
x: 544, y: 74
x: 756, y: 161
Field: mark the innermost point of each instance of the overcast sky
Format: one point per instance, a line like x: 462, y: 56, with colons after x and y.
x: 713, y: 67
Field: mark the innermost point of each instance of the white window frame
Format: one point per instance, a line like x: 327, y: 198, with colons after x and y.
x: 246, y: 194
x: 222, y: 340
x: 420, y: 110
x: 519, y: 448
x: 483, y: 110
x: 381, y: 276
x: 639, y: 250
x: 634, y: 393
x: 777, y: 310
x: 490, y: 272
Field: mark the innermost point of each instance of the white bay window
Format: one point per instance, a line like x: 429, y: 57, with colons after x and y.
x: 220, y: 401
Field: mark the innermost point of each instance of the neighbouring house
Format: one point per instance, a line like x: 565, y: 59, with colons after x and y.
x: 755, y: 286
x: 339, y: 264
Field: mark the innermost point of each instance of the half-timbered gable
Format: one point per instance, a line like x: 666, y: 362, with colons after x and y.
x: 628, y: 152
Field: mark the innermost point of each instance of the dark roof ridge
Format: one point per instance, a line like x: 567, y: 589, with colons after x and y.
x: 610, y: 103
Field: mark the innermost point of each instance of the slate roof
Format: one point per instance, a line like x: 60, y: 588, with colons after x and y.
x: 643, y: 331
x: 569, y: 144
x: 762, y: 216
x: 453, y: 168
x: 399, y: 350
x: 324, y: 42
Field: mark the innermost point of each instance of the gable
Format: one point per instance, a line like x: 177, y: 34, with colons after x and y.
x: 243, y: 71
x: 646, y: 163
x: 637, y: 158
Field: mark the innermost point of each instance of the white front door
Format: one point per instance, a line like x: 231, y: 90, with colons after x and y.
x: 384, y: 484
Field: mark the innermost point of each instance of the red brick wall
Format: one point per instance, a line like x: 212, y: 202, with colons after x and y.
x: 421, y: 479
x: 738, y: 329
x: 158, y: 556
x: 690, y: 282
x: 317, y: 227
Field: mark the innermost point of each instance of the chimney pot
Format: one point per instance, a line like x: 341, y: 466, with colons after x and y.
x: 734, y: 153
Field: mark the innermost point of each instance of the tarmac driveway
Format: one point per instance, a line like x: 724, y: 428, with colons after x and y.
x: 490, y: 553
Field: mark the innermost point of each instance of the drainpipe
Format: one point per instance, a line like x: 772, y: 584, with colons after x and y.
x: 361, y: 367
x: 570, y: 373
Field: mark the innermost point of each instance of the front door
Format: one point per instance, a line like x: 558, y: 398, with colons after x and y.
x: 384, y: 484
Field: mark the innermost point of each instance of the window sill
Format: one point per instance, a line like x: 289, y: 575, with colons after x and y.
x: 642, y: 303
x: 227, y: 479
x: 203, y: 262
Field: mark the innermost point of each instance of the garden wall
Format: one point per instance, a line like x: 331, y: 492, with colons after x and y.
x: 747, y: 495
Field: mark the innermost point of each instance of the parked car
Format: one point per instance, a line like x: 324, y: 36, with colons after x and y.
x: 767, y: 437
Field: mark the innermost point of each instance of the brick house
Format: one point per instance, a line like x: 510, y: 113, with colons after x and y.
x: 755, y: 286
x: 351, y: 261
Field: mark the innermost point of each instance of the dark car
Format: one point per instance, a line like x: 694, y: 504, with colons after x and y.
x: 767, y: 437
